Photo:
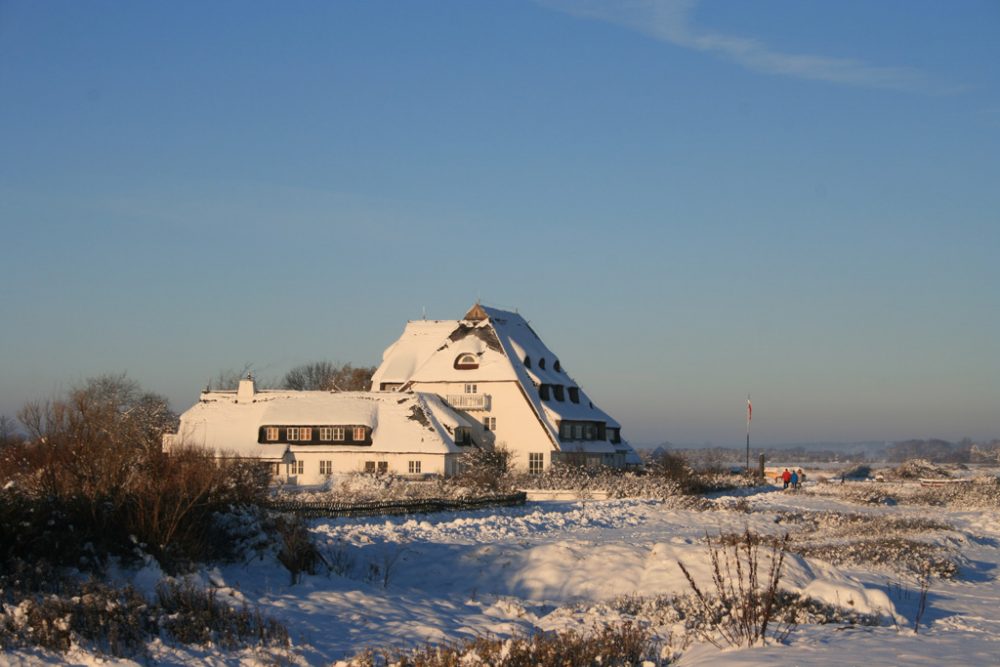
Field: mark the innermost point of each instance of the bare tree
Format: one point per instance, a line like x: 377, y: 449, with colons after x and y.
x: 329, y: 376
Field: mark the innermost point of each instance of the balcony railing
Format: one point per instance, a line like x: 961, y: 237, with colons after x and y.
x: 468, y: 401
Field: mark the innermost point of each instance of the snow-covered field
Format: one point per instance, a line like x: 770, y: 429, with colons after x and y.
x: 405, y: 581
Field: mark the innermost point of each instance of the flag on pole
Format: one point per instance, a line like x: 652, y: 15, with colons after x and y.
x: 749, y: 409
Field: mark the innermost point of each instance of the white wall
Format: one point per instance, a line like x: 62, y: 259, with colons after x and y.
x: 518, y: 427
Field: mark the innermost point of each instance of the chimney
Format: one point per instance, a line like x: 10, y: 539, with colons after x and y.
x: 246, y: 390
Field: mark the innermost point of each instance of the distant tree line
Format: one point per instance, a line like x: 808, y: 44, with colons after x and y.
x: 942, y: 451
x: 313, y: 376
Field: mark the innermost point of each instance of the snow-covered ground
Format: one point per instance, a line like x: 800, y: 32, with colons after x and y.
x: 405, y: 581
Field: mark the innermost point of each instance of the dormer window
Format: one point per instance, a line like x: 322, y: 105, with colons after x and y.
x: 574, y: 394
x: 543, y: 392
x: 557, y: 367
x: 527, y: 362
x: 557, y: 391
x: 467, y: 362
x: 541, y: 363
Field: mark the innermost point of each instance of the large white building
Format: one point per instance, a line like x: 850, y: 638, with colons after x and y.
x: 307, y: 436
x: 492, y: 366
x: 444, y: 386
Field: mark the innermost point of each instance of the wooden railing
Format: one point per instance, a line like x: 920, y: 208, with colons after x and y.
x: 313, y: 509
x: 468, y: 401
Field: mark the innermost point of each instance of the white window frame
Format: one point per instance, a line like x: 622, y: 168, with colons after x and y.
x: 358, y: 433
x: 471, y: 389
x: 536, y: 463
x: 292, y: 433
x: 305, y: 433
x: 325, y: 433
x: 489, y: 423
x: 414, y: 467
x: 297, y: 468
x: 338, y: 434
x: 326, y: 467
x: 272, y: 433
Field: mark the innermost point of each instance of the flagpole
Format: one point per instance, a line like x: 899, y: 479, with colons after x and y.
x: 749, y: 413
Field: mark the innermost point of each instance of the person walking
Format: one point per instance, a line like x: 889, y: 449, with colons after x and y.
x: 786, y: 477
x: 794, y: 480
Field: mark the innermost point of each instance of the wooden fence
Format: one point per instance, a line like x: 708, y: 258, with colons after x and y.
x: 315, y: 509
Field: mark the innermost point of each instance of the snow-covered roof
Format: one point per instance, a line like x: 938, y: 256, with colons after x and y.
x: 401, y: 422
x: 506, y: 347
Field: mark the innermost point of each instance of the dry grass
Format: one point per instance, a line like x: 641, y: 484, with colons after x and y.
x: 625, y: 644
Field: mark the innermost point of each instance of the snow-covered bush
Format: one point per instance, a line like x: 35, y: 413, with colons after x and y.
x: 622, y: 645
x: 486, y: 469
x: 872, y: 540
x: 193, y: 615
x: 120, y: 621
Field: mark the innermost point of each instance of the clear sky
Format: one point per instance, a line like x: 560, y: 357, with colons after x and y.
x: 690, y: 201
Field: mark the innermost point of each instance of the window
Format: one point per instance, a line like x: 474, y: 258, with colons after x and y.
x: 541, y: 363
x: 463, y: 436
x: 574, y: 394
x: 565, y: 431
x: 370, y: 467
x: 578, y: 431
x: 536, y: 463
x: 337, y: 433
x: 292, y: 433
x: 614, y: 435
x: 588, y: 431
x: 527, y: 362
x: 543, y: 392
x: 297, y: 468
x: 471, y: 389
x: 272, y: 433
x: 557, y: 390
x: 326, y: 467
x: 557, y: 367
x: 275, y: 469
x: 383, y: 467
x: 390, y: 386
x: 325, y: 434
x: 305, y: 434
x: 489, y: 423
x: 359, y: 434
x: 466, y: 362
x: 414, y: 467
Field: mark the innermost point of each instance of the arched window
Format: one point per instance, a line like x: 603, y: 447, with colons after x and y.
x: 557, y: 367
x: 466, y: 362
x: 541, y: 363
x: 527, y: 362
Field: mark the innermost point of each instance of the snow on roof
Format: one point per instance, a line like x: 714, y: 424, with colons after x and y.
x: 506, y: 348
x: 419, y: 341
x: 400, y: 422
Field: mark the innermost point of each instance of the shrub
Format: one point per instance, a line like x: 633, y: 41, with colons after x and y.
x: 193, y: 615
x: 742, y: 604
x: 487, y: 469
x: 297, y: 551
x: 624, y: 644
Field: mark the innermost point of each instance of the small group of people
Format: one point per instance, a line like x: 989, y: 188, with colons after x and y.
x: 793, y: 478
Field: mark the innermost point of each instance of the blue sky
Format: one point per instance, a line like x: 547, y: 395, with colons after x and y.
x: 690, y: 201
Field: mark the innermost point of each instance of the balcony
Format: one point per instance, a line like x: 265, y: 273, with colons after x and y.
x: 468, y: 401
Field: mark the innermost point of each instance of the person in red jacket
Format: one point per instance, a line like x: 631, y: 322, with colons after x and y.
x: 786, y: 477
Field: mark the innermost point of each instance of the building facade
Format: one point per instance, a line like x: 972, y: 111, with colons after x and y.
x: 492, y: 367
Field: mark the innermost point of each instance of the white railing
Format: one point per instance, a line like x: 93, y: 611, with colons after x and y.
x: 468, y: 401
